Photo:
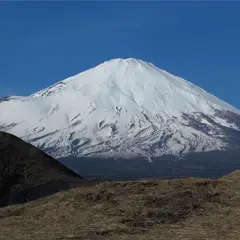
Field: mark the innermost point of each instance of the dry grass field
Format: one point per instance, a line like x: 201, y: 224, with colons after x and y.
x: 196, y: 209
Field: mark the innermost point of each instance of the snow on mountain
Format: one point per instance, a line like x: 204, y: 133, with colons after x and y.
x: 122, y: 107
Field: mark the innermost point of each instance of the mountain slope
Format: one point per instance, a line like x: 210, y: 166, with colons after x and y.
x: 196, y: 209
x: 23, y: 166
x: 123, y: 107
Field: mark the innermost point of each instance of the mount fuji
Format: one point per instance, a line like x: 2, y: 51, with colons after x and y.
x: 122, y: 108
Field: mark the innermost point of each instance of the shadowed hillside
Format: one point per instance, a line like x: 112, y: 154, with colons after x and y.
x: 24, y: 167
x: 185, y: 209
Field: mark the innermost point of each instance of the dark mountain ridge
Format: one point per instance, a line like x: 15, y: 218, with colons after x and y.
x: 24, y: 168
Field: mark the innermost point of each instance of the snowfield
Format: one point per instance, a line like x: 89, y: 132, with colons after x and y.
x: 123, y: 107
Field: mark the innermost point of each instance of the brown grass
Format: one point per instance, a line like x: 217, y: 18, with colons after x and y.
x: 196, y: 209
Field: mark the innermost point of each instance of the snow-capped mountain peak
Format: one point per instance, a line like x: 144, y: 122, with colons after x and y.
x: 122, y: 106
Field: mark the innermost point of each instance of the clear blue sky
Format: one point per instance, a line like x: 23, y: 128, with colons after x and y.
x: 44, y: 42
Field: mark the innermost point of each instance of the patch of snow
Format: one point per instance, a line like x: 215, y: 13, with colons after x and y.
x: 225, y: 123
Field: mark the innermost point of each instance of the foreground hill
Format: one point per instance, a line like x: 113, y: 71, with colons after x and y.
x: 187, y: 209
x: 23, y: 166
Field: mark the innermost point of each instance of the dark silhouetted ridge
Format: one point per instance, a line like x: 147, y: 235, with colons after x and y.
x: 24, y: 168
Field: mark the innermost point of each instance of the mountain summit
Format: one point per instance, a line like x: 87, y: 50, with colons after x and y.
x: 122, y: 107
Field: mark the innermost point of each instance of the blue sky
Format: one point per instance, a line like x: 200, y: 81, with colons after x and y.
x: 44, y: 42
